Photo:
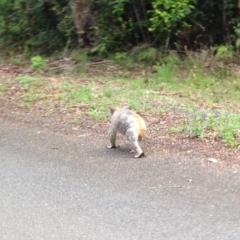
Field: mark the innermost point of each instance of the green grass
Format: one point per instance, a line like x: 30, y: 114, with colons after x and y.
x: 98, y: 98
x: 80, y: 58
x: 223, y: 125
x: 173, y: 82
x: 38, y: 63
x: 141, y: 94
x: 73, y: 94
x: 29, y: 82
x: 33, y: 91
x: 196, y: 84
x: 3, y: 87
x: 31, y: 97
x: 97, y: 114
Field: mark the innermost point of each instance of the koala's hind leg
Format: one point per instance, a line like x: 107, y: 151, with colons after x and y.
x: 132, y: 140
x: 112, y: 134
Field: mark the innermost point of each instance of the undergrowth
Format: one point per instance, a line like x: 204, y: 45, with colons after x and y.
x: 2, y: 87
x: 225, y: 126
x: 185, y: 76
x: 172, y: 81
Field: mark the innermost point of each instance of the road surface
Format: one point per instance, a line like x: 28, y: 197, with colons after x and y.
x: 56, y: 186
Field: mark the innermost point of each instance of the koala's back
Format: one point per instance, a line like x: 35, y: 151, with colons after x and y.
x: 124, y: 120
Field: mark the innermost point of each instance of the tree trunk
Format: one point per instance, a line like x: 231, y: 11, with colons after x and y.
x: 225, y: 22
x: 82, y: 19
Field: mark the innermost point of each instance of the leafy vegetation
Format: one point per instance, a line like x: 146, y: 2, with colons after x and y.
x: 105, y: 27
x: 35, y: 27
x: 32, y: 90
x: 176, y: 83
x: 166, y: 14
x: 28, y: 81
x: 72, y: 94
x: 2, y: 87
x: 223, y: 125
x: 37, y: 63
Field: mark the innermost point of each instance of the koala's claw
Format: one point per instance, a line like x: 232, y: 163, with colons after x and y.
x: 112, y: 146
x: 139, y: 155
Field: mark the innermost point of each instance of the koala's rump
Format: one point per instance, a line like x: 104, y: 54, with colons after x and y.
x: 128, y: 121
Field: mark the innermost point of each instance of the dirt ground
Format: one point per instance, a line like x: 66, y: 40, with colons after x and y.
x: 158, y: 138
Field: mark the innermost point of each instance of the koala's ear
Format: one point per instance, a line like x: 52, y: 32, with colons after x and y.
x: 112, y: 110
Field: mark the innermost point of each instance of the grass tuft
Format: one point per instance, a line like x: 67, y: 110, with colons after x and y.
x: 223, y: 125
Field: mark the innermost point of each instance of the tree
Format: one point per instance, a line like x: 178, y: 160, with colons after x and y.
x: 44, y: 27
x: 82, y: 16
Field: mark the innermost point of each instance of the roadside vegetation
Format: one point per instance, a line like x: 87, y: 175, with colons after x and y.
x: 209, y: 98
x: 175, y: 62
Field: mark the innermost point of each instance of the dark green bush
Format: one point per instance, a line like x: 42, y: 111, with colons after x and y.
x: 41, y: 27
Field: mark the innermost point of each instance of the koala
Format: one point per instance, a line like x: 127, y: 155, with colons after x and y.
x: 130, y: 124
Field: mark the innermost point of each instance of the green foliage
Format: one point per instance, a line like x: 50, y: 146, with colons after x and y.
x: 238, y: 43
x: 72, y: 94
x: 40, y: 27
x: 123, y: 59
x: 200, y: 80
x: 81, y: 68
x: 172, y: 60
x: 148, y: 55
x: 225, y: 126
x: 38, y: 63
x: 224, y: 52
x: 237, y: 33
x: 97, y: 113
x: 2, y: 87
x: 28, y: 81
x: 166, y: 71
x: 46, y: 27
x: 166, y: 14
x: 195, y: 126
x: 107, y: 93
x: 166, y: 23
x: 80, y: 57
x: 31, y: 97
x: 31, y: 86
x: 120, y: 24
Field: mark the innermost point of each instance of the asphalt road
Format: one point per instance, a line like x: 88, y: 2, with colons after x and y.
x: 56, y: 186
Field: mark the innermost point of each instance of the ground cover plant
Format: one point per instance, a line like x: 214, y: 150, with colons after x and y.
x: 174, y: 82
